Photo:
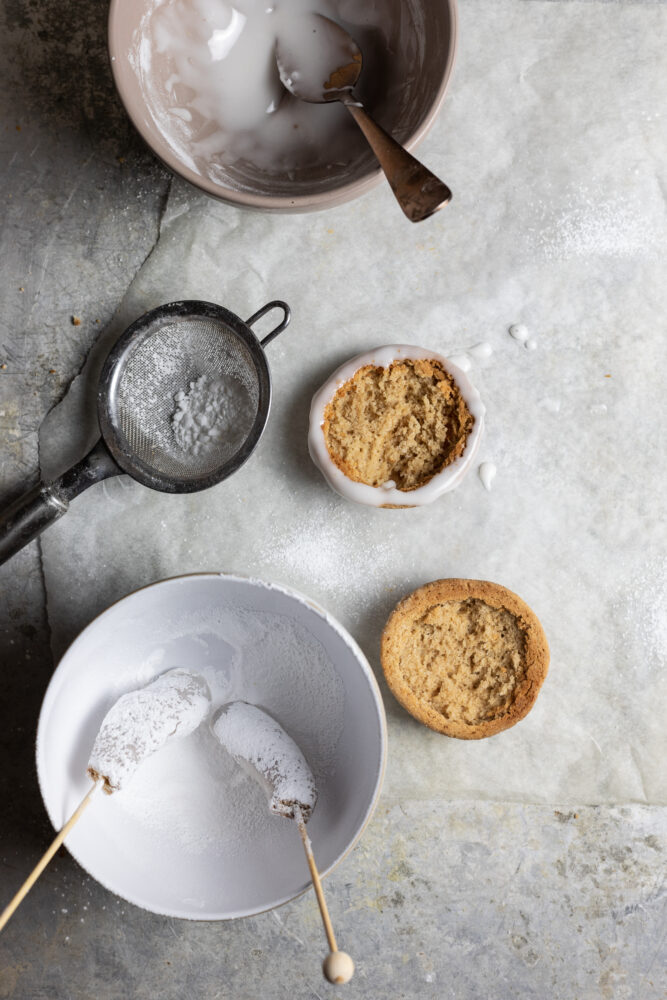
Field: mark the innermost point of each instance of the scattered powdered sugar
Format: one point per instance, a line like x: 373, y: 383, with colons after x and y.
x: 640, y: 618
x: 141, y: 721
x: 215, y: 410
x: 316, y: 554
x: 612, y: 229
x: 253, y: 738
x: 487, y: 473
x: 193, y: 795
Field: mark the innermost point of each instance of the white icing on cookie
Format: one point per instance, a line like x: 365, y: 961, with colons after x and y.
x: 388, y: 494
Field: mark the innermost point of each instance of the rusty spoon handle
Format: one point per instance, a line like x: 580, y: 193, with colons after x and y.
x: 419, y: 192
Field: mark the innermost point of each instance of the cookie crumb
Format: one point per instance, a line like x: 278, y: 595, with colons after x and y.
x: 76, y: 321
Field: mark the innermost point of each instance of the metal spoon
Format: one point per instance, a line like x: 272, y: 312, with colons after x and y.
x: 320, y: 62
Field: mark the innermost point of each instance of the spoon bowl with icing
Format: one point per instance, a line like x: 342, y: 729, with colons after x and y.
x: 319, y: 62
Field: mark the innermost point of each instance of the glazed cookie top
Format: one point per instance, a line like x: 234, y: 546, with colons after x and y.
x: 397, y: 426
x: 465, y: 657
x: 404, y: 423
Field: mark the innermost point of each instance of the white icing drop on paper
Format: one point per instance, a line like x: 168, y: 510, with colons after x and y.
x: 598, y: 408
x: 142, y: 721
x: 213, y: 411
x: 253, y: 738
x: 481, y: 351
x: 487, y: 473
x: 467, y: 358
x: 519, y: 332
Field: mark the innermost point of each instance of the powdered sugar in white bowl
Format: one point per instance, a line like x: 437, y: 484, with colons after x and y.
x: 191, y: 835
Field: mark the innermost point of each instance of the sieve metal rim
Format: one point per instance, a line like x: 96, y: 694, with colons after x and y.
x: 132, y: 338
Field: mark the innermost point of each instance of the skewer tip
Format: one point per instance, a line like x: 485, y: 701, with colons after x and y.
x: 338, y: 967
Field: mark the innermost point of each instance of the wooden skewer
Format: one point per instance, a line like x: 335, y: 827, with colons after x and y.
x: 41, y: 865
x: 338, y: 967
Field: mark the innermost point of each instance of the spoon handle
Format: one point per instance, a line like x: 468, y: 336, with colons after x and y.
x: 419, y: 192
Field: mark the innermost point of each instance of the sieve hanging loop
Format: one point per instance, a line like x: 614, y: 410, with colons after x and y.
x: 173, y: 349
x: 276, y: 304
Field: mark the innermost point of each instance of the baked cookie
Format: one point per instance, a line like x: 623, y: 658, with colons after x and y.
x: 396, y: 427
x: 405, y: 423
x: 465, y: 657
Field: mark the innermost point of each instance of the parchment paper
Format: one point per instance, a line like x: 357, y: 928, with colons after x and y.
x: 556, y: 158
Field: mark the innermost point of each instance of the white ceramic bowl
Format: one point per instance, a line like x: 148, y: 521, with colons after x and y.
x: 153, y: 843
x: 389, y: 495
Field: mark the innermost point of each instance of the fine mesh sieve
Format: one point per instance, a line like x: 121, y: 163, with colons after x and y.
x: 171, y: 358
x: 165, y: 352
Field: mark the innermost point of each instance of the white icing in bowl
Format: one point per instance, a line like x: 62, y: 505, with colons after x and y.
x: 388, y: 494
x: 168, y: 82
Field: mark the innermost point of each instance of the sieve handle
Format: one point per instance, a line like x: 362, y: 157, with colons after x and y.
x: 276, y: 304
x: 45, y: 503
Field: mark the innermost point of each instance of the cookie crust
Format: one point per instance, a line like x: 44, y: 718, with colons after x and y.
x: 509, y: 681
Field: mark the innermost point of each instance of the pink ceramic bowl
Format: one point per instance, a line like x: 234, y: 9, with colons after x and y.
x: 403, y: 90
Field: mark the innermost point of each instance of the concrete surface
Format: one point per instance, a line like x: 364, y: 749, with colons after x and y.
x: 445, y: 896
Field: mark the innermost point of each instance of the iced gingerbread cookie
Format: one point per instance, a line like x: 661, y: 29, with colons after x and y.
x: 396, y: 427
